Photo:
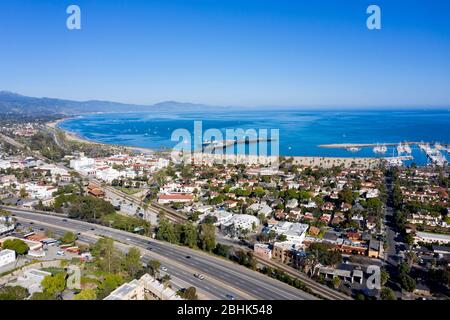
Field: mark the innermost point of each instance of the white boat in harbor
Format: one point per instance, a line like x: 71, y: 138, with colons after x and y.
x: 407, y: 148
x: 403, y: 148
x: 380, y: 149
x: 353, y: 149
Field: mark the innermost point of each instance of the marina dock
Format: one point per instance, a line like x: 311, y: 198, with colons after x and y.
x: 364, y: 145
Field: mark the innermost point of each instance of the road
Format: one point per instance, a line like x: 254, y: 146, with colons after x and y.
x: 221, y: 276
x: 391, y: 255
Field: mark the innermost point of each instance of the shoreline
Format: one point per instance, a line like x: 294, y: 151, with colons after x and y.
x: 298, y: 159
x: 75, y: 137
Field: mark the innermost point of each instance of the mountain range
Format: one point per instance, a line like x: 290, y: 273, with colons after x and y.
x: 13, y: 103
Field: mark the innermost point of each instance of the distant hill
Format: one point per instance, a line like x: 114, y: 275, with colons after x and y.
x: 13, y: 103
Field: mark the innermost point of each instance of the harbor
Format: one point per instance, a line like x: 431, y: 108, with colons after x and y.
x: 402, y: 152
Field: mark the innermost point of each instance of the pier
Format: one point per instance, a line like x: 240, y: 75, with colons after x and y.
x: 208, y: 146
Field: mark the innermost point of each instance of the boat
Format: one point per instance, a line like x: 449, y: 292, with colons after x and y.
x: 403, y: 148
x: 400, y: 148
x: 353, y: 149
x: 407, y: 148
x: 380, y: 149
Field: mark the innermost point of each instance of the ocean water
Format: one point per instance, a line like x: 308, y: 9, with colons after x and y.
x: 300, y: 132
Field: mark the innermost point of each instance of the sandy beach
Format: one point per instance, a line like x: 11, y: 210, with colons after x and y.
x: 71, y: 136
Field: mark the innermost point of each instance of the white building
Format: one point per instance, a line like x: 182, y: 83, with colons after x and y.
x: 428, y: 237
x: 133, y: 290
x: 292, y: 203
x: 31, y: 280
x: 294, y: 232
x: 222, y: 216
x: 107, y: 174
x: 172, y: 187
x: 39, y: 192
x: 261, y: 208
x: 6, y: 227
x: 243, y: 222
x: 6, y: 257
x: 77, y: 164
x: 136, y: 289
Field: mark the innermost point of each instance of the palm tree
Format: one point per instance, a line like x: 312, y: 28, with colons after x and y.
x: 166, y: 280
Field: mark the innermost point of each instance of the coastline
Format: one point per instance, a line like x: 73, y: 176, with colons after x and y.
x: 313, y: 161
x: 74, y: 137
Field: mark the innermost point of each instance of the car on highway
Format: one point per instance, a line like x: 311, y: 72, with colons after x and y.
x: 163, y: 268
x: 188, y: 257
x: 92, y: 229
x: 65, y: 220
x: 60, y: 253
x: 230, y: 296
x: 199, y: 276
x: 149, y: 248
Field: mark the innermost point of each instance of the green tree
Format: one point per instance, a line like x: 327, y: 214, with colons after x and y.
x: 324, y: 254
x: 189, y: 236
x: 336, y: 282
x: 166, y: 231
x: 154, y: 266
x: 23, y: 193
x: 19, y: 246
x: 13, y: 293
x: 133, y: 262
x: 384, y: 277
x: 110, y: 282
x: 68, y: 238
x: 387, y: 294
x: 165, y: 280
x: 42, y: 296
x: 107, y: 257
x: 54, y: 284
x: 189, y: 294
x: 207, y: 237
x: 407, y: 282
x: 87, y: 294
x: 222, y: 250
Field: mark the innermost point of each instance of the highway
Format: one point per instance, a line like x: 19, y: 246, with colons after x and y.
x: 222, y: 277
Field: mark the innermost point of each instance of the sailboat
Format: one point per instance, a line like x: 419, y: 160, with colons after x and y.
x: 380, y: 149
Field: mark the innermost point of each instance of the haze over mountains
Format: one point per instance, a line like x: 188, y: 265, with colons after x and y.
x: 13, y: 103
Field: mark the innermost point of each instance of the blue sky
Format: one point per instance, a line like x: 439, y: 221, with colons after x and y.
x: 246, y: 53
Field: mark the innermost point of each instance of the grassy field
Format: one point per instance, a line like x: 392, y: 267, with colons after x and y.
x: 128, y: 191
